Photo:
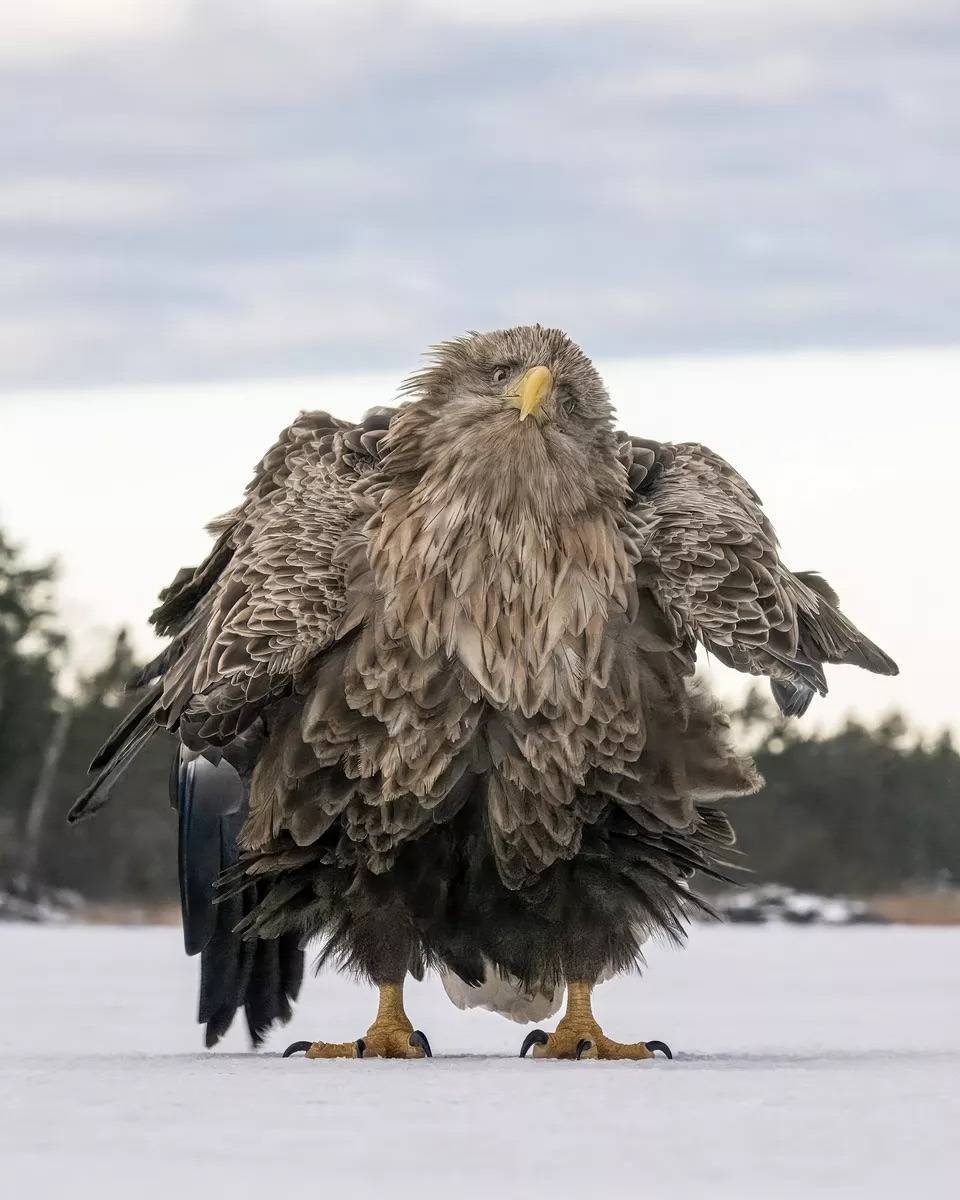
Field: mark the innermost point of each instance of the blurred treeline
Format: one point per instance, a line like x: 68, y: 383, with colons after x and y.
x: 861, y: 811
x: 129, y: 850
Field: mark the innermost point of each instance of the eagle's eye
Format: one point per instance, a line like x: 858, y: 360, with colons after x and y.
x: 499, y: 374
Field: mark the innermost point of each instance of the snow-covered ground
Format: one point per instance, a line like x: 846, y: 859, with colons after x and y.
x: 809, y: 1062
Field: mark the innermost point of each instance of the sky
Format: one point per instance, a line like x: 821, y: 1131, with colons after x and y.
x: 213, y: 214
x: 206, y: 189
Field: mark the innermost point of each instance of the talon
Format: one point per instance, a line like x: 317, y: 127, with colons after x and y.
x: 296, y: 1048
x: 582, y: 1047
x: 419, y: 1041
x: 661, y: 1046
x: 536, y: 1037
x: 361, y: 1047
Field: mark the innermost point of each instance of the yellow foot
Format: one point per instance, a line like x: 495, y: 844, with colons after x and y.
x: 390, y: 1036
x: 380, y: 1041
x: 586, y: 1040
x: 579, y: 1036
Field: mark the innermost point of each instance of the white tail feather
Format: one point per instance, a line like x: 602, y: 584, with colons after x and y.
x: 502, y: 994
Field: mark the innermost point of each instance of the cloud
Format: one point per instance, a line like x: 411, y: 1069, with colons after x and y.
x: 85, y: 203
x: 231, y: 190
x: 707, y: 16
x: 54, y: 29
x: 58, y: 29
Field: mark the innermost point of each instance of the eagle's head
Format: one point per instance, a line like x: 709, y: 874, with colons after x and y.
x: 516, y: 419
x: 495, y: 528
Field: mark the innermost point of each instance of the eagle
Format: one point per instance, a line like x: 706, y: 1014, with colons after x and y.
x: 434, y: 697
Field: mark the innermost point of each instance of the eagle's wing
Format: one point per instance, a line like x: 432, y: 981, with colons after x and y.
x: 710, y: 557
x: 266, y: 601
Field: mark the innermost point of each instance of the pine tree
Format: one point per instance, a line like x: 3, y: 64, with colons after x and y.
x: 30, y: 646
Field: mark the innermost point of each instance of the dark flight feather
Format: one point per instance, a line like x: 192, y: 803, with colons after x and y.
x: 261, y: 977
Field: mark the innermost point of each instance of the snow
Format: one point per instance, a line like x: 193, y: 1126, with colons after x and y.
x: 810, y: 1061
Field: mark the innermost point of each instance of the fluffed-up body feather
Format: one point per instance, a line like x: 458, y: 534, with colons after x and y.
x: 505, y: 750
x: 451, y: 653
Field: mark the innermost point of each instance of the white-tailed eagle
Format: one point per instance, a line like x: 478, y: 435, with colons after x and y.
x: 433, y: 690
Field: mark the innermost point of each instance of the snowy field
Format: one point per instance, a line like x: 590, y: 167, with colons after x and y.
x: 809, y: 1062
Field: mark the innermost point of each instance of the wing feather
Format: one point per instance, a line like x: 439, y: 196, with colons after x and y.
x: 265, y: 602
x: 710, y: 556
x: 279, y: 601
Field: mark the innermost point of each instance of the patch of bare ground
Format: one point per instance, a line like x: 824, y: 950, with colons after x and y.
x: 130, y: 914
x: 919, y: 908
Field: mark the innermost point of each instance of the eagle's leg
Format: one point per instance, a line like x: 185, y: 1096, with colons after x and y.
x: 390, y: 1036
x: 579, y: 1036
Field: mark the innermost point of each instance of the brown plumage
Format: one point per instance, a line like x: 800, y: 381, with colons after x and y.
x: 450, y: 651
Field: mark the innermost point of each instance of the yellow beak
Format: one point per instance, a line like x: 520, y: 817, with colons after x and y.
x: 532, y: 390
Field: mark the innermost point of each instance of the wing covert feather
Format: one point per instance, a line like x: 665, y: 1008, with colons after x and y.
x: 242, y: 638
x: 710, y: 556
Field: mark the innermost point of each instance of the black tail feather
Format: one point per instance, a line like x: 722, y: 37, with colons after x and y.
x: 209, y: 800
x: 261, y: 976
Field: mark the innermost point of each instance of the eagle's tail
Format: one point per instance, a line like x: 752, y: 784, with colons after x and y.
x: 504, y: 995
x: 261, y: 976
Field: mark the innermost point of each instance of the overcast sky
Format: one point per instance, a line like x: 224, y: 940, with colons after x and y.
x: 203, y: 189
x: 215, y: 212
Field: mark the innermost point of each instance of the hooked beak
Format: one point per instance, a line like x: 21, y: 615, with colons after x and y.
x: 533, y: 388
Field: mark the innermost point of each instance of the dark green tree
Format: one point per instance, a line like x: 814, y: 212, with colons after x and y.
x: 30, y: 646
x: 859, y: 811
x: 128, y: 852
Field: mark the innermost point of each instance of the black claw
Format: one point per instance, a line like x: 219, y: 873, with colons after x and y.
x: 361, y: 1047
x: 661, y: 1046
x: 296, y: 1048
x: 536, y: 1037
x: 583, y: 1046
x: 419, y: 1041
